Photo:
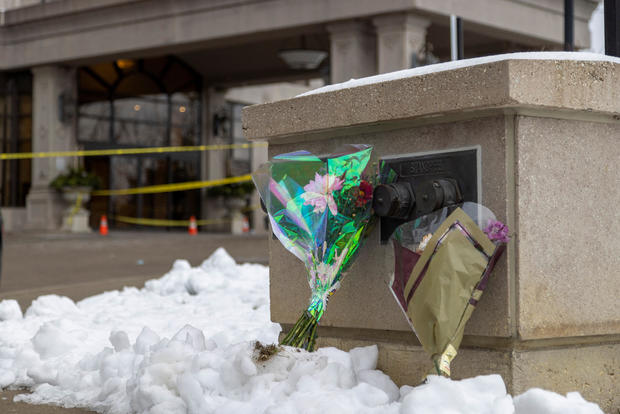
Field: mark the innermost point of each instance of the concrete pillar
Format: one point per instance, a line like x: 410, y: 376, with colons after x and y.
x: 50, y: 133
x: 215, y: 131
x: 218, y: 132
x: 399, y: 38
x: 549, y: 317
x: 352, y: 51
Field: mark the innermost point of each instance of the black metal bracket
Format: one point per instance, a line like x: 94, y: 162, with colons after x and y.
x: 612, y: 27
x: 425, y: 183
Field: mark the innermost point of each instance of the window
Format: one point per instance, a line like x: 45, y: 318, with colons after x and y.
x: 15, y: 136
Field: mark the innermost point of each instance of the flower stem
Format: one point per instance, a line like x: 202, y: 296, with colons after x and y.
x: 303, y: 334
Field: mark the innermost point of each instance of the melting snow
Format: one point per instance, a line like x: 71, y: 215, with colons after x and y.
x: 185, y: 344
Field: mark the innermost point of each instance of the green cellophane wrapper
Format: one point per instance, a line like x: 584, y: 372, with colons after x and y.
x: 439, y: 287
x: 319, y: 207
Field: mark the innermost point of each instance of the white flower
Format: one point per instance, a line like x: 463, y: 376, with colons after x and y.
x: 319, y: 193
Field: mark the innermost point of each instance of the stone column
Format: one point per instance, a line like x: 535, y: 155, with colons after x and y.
x: 352, y: 51
x: 215, y: 131
x: 400, y: 37
x: 50, y: 133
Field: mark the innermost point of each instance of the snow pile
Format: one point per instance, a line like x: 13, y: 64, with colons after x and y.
x: 536, y: 401
x: 186, y: 344
x: 9, y: 309
x: 84, y: 354
x: 475, y: 395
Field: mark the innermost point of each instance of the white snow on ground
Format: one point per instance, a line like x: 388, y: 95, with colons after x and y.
x: 185, y: 344
x: 457, y: 64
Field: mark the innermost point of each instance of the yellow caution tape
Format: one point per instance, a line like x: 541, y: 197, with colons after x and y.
x: 165, y: 188
x: 174, y: 223
x: 126, y: 151
x: 166, y: 223
x: 75, y: 209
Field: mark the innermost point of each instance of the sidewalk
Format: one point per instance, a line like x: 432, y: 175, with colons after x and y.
x: 7, y: 406
x: 78, y: 266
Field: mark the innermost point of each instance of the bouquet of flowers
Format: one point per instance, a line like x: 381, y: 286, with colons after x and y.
x: 442, y: 265
x: 319, y: 208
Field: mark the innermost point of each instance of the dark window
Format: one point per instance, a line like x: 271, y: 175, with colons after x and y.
x: 15, y: 136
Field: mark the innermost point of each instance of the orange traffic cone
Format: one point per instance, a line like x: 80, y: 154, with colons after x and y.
x: 245, y: 225
x: 193, y: 228
x: 103, y: 225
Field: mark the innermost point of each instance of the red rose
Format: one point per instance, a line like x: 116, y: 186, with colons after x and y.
x: 364, y: 194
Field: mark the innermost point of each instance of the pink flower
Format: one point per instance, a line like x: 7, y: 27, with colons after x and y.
x: 497, y: 231
x: 319, y: 193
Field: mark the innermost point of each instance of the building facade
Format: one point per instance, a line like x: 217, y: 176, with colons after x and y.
x: 99, y: 74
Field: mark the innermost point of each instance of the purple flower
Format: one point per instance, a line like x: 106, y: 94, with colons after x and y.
x: 319, y: 192
x: 497, y: 231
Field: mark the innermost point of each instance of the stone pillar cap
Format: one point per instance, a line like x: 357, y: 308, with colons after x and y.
x: 566, y: 81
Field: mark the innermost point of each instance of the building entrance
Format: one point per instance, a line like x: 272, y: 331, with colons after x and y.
x: 141, y: 103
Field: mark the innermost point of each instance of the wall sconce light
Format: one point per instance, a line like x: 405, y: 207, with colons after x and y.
x: 125, y: 63
x: 302, y: 58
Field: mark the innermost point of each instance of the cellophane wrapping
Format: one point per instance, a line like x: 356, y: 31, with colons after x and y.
x: 319, y: 207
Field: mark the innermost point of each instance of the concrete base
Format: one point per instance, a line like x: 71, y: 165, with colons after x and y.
x: 538, y: 324
x: 591, y: 369
x: 76, y: 223
x: 548, y: 137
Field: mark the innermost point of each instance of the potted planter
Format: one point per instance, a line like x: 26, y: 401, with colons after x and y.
x: 75, y: 187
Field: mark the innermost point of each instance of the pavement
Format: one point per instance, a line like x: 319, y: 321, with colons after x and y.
x: 82, y: 265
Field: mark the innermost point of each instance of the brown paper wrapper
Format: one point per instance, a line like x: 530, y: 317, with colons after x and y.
x: 445, y: 285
